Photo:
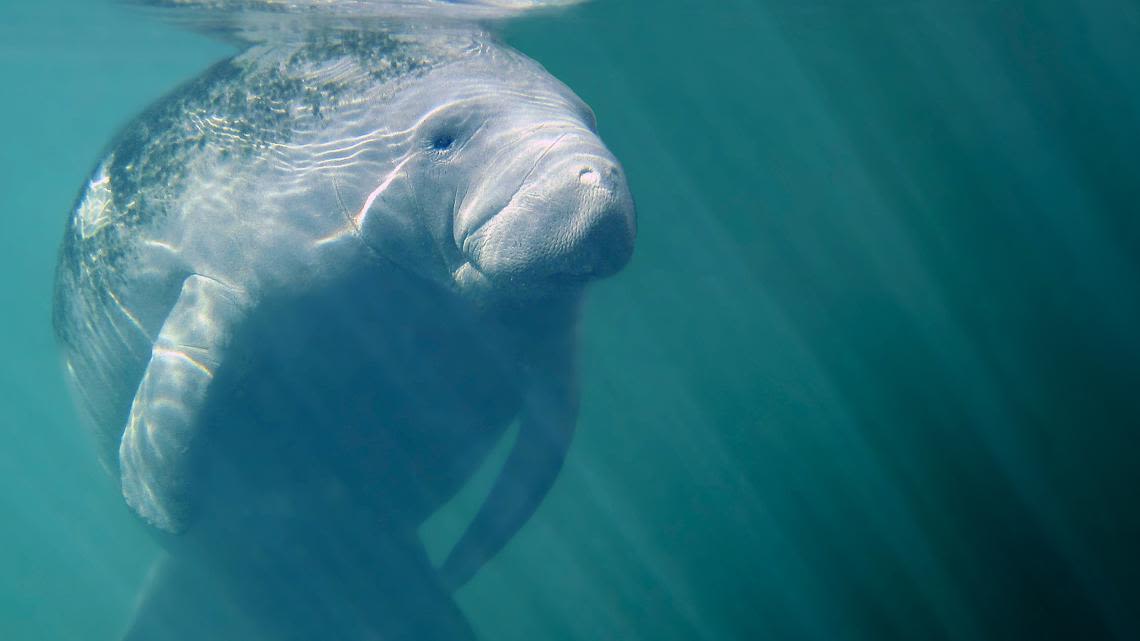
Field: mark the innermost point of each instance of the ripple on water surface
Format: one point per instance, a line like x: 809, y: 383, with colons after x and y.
x: 268, y: 19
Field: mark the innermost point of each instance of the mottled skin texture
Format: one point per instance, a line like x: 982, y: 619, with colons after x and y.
x: 303, y: 297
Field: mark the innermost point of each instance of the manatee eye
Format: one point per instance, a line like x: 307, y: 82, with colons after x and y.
x: 442, y: 141
x: 447, y: 136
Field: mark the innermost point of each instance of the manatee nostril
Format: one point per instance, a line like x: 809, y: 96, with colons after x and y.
x: 588, y: 176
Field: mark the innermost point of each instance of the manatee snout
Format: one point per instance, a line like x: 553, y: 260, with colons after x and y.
x: 555, y: 210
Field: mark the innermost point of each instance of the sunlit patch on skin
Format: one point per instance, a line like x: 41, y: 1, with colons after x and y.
x: 388, y: 180
x: 129, y: 315
x: 183, y: 355
x: 97, y: 209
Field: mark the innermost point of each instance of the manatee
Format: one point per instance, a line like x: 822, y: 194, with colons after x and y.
x: 303, y: 296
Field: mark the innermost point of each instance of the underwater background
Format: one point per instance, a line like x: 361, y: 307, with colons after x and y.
x: 872, y: 374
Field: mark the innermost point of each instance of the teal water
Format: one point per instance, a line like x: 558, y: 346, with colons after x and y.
x: 871, y: 375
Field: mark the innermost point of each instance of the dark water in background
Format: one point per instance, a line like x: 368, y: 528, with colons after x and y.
x: 872, y: 374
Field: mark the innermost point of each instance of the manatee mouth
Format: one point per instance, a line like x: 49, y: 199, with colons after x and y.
x: 496, y: 194
x: 469, y: 246
x: 548, y: 212
x: 572, y: 222
x: 470, y: 272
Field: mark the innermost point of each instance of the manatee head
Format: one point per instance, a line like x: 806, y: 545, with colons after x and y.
x: 503, y: 187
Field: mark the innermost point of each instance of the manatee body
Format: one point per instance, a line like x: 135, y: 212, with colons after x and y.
x: 302, y: 298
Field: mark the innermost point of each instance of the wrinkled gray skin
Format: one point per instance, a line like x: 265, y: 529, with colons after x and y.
x: 303, y: 297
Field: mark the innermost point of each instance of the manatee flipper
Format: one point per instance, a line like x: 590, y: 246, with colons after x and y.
x: 546, y: 425
x: 157, y: 444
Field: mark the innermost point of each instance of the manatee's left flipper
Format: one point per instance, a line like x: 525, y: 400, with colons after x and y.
x: 155, y: 454
x: 546, y: 426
